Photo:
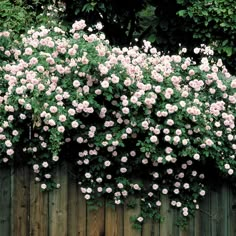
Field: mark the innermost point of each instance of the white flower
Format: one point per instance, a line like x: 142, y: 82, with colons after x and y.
x: 43, y: 186
x: 55, y: 158
x: 99, y: 26
x: 140, y: 219
x: 45, y: 164
x: 87, y: 175
x: 153, y: 139
x: 107, y: 163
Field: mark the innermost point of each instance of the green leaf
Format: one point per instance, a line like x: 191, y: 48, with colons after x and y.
x: 152, y: 38
x: 181, y: 13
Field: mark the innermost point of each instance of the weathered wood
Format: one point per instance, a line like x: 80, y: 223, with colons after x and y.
x: 27, y: 211
x: 223, y: 213
x: 189, y: 230
x: 215, y: 212
x: 129, y: 230
x: 38, y: 209
x: 205, y: 216
x: 20, y: 201
x: 232, y: 212
x: 58, y: 203
x: 150, y: 228
x: 5, y: 201
x: 196, y: 226
x: 82, y: 217
x: 114, y: 222
x: 96, y: 221
x: 169, y: 218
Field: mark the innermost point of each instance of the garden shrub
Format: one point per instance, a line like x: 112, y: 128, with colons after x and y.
x: 131, y: 120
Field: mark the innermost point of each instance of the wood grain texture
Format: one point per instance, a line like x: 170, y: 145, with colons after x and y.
x: 151, y: 228
x: 205, y: 216
x: 114, y: 221
x: 38, y: 209
x: 82, y: 216
x: 20, y: 202
x: 129, y: 230
x: 27, y: 211
x: 5, y: 201
x: 58, y: 204
x: 169, y: 218
x: 96, y: 221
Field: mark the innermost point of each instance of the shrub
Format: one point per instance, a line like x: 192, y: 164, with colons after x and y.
x: 132, y: 121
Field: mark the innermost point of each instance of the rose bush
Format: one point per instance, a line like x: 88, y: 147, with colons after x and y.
x: 131, y: 120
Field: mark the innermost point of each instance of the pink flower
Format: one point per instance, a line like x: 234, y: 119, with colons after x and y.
x: 123, y: 170
x: 74, y: 124
x: 125, y: 110
x: 53, y: 109
x: 209, y: 142
x: 51, y: 122
x: 62, y: 118
x: 105, y: 84
x: 40, y: 69
x: 170, y: 122
x: 61, y: 129
x: 153, y: 139
x: 233, y: 83
x: 71, y: 112
x: 196, y: 156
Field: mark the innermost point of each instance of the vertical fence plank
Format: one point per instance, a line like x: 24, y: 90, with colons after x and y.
x: 82, y: 214
x: 205, y: 216
x: 58, y: 203
x: 20, y: 201
x: 232, y: 214
x: 114, y: 223
x: 168, y: 227
x: 38, y: 209
x: 76, y: 209
x: 96, y: 221
x: 5, y: 200
x: 129, y: 230
x: 28, y: 213
x: 150, y: 228
x: 196, y: 230
x: 223, y: 205
x: 215, y: 216
x: 73, y: 210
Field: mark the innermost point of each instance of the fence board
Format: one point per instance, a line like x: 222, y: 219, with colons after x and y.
x: 223, y: 216
x: 128, y: 226
x: 38, y: 210
x: 58, y: 203
x: 205, y: 216
x: 20, y: 202
x: 5, y: 201
x: 26, y: 211
x: 95, y: 221
x: 114, y: 222
x: 82, y: 225
x: 73, y: 208
x: 196, y: 224
x: 150, y: 228
x: 170, y: 219
x: 232, y: 214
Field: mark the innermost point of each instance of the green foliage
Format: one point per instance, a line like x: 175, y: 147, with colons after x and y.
x: 20, y: 15
x: 212, y: 22
x: 187, y: 22
x: 14, y: 16
x: 119, y: 17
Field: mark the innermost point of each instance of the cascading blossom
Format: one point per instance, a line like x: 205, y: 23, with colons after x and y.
x: 124, y: 117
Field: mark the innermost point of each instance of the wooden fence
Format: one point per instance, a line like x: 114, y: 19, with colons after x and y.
x: 26, y: 211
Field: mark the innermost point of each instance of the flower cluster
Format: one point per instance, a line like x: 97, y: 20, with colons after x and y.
x: 131, y: 120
